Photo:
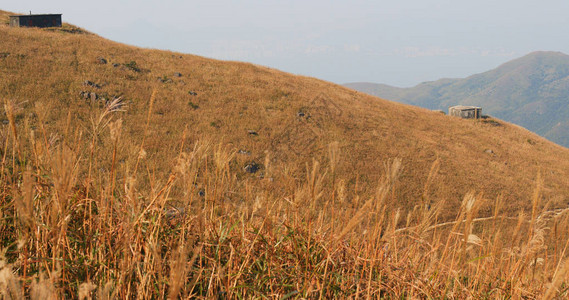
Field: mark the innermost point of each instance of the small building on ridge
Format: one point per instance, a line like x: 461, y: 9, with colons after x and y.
x: 50, y: 20
x: 465, y: 112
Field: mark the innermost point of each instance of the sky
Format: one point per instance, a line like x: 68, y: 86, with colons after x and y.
x: 400, y: 43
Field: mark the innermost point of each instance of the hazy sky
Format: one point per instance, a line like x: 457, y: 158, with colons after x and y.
x: 401, y: 42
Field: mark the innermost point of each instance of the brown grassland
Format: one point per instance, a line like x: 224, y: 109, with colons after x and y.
x: 233, y: 180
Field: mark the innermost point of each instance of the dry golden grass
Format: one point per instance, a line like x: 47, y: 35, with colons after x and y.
x: 202, y: 231
x: 147, y: 195
x: 50, y: 68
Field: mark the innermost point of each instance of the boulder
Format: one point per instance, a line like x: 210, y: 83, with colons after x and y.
x: 91, y: 84
x: 164, y: 79
x: 252, y: 167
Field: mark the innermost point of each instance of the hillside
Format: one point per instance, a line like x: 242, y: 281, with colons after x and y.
x: 147, y: 172
x: 294, y: 118
x: 530, y: 91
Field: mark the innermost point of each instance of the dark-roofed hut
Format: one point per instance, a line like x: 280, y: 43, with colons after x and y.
x: 465, y: 112
x: 51, y: 20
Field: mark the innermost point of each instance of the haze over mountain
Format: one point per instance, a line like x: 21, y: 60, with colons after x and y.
x: 531, y: 91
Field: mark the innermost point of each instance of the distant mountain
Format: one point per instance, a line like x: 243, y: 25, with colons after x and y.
x: 531, y: 91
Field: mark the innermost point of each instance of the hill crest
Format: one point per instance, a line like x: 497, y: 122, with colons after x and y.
x: 278, y: 121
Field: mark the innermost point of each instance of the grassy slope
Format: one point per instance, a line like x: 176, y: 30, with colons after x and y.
x: 50, y: 67
x: 187, y: 220
x: 530, y: 91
